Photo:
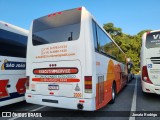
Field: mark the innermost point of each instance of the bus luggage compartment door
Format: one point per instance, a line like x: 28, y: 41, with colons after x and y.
x: 100, y: 89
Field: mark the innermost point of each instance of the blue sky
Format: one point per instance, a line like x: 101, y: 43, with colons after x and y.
x: 130, y: 15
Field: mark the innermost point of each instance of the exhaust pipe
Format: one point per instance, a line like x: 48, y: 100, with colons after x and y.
x: 80, y: 106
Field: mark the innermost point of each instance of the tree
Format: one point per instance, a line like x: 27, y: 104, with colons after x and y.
x: 130, y: 44
x: 109, y: 27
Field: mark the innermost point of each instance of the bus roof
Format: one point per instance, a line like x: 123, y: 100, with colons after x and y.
x: 12, y: 28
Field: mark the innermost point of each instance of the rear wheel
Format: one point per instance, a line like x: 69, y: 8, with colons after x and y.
x: 113, y: 93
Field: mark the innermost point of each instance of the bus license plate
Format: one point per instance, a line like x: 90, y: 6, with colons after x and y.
x: 53, y: 87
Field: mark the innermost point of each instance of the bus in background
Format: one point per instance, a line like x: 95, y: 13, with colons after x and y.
x: 13, y: 41
x: 72, y: 62
x: 129, y: 69
x: 150, y: 62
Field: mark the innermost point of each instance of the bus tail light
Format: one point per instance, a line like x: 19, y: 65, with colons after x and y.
x: 29, y: 96
x: 27, y: 82
x: 148, y: 32
x: 88, y: 84
x: 81, y: 101
x: 79, y: 8
x: 145, y: 76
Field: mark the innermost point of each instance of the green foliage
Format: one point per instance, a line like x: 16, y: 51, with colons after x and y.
x: 113, y: 31
x: 130, y: 44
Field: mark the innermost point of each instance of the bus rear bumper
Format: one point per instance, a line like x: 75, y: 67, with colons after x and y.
x: 150, y: 88
x: 62, y: 102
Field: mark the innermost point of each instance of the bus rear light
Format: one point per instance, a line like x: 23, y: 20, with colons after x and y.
x: 59, y: 13
x: 79, y: 8
x: 145, y: 76
x: 49, y: 15
x: 88, y: 84
x: 148, y: 32
x: 29, y: 96
x: 51, y: 93
x: 54, y: 14
x: 81, y: 101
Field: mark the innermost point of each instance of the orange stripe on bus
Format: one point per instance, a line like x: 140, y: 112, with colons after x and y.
x: 55, y: 80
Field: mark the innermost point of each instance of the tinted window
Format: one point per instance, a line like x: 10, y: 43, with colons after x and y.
x: 59, y: 27
x: 12, y: 44
x: 153, y: 40
x: 105, y: 44
x: 94, y: 34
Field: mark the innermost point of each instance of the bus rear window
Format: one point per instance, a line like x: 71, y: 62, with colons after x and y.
x: 58, y: 27
x: 153, y: 40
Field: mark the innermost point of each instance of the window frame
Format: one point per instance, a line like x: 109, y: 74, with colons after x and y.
x: 97, y: 40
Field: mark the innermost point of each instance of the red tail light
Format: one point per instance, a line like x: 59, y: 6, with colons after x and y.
x: 29, y: 96
x: 148, y: 32
x: 145, y: 76
x: 54, y: 14
x: 49, y: 15
x: 88, y: 84
x: 79, y: 8
x: 59, y: 13
x: 81, y: 101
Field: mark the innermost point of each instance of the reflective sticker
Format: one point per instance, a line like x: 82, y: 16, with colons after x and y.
x: 77, y: 95
x: 149, y: 65
x: 77, y: 88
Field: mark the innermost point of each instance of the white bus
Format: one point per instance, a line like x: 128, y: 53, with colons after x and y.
x: 150, y: 62
x: 72, y: 62
x: 13, y: 41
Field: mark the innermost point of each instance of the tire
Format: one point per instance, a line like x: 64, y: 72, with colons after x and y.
x: 113, y: 93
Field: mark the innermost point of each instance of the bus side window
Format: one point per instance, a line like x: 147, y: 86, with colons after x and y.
x: 95, y: 35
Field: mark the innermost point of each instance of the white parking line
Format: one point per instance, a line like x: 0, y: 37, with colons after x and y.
x: 28, y: 111
x: 133, y: 108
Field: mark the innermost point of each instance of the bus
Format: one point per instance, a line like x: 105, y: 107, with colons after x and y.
x: 13, y: 41
x: 150, y: 62
x: 129, y: 69
x: 72, y: 62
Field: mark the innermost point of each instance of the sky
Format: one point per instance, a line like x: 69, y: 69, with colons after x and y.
x: 131, y: 16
